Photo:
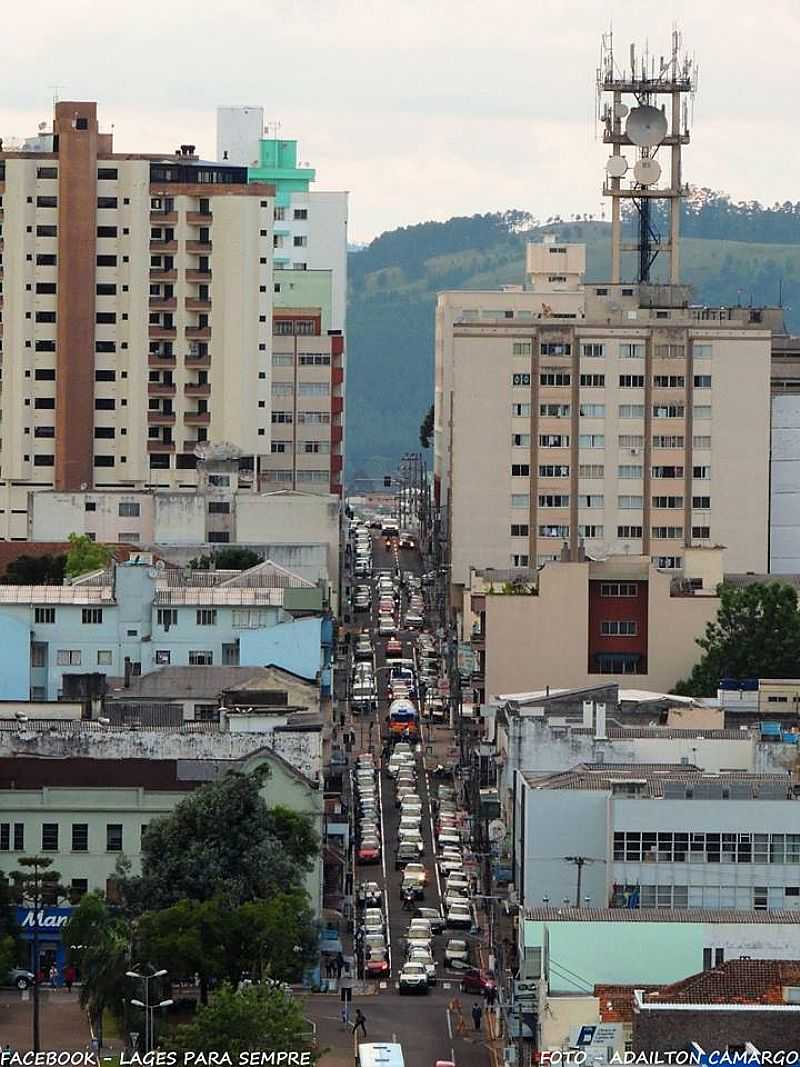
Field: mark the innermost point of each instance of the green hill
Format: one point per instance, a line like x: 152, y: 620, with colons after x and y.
x: 394, y: 281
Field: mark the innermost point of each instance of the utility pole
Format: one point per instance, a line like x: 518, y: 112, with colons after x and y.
x: 579, y: 862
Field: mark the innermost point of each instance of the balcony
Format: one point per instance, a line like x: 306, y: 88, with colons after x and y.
x: 197, y: 389
x: 336, y: 463
x: 160, y: 446
x: 163, y: 246
x: 190, y: 446
x: 337, y: 405
x: 162, y: 274
x: 158, y: 303
x: 161, y: 389
x: 191, y: 303
x: 165, y: 362
x: 337, y: 376
x: 197, y: 218
x: 198, y: 333
x: 201, y: 248
x: 198, y: 275
x: 197, y: 418
x: 161, y: 418
x: 162, y: 333
x: 337, y: 433
x: 197, y: 360
x: 163, y: 218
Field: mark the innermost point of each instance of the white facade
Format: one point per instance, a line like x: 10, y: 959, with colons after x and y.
x: 784, y: 533
x: 326, y: 232
x: 239, y: 129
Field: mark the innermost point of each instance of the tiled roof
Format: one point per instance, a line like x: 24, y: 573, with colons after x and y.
x: 661, y: 915
x: 615, y: 733
x: 654, y: 778
x: 616, y: 1002
x: 734, y: 982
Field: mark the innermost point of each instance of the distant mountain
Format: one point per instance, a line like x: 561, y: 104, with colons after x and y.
x: 731, y: 253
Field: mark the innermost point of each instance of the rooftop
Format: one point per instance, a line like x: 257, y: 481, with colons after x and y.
x: 735, y: 982
x: 661, y: 915
x: 667, y: 781
x: 177, y: 683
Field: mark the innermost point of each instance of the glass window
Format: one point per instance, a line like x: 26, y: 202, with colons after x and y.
x: 80, y: 837
x: 114, y: 837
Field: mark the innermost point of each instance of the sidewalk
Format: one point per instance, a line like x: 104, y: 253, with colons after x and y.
x: 62, y: 1022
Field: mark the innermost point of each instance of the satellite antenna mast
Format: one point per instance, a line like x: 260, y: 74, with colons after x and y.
x: 637, y: 123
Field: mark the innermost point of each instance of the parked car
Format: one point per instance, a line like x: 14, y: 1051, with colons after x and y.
x: 476, y: 982
x: 459, y: 916
x: 456, y: 954
x: 20, y: 978
x: 433, y: 915
x: 424, y: 956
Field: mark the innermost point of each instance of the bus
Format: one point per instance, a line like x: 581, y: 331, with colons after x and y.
x: 380, y: 1054
x: 402, y: 718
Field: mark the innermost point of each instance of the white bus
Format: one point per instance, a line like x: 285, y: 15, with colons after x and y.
x: 380, y: 1054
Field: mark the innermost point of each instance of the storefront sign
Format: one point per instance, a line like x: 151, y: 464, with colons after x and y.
x: 50, y: 920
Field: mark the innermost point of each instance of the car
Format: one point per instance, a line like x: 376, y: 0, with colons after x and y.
x: 418, y: 870
x: 20, y: 977
x: 416, y: 841
x: 420, y: 925
x: 423, y: 956
x: 456, y: 954
x: 412, y: 887
x: 458, y: 883
x: 386, y: 625
x: 413, y: 978
x: 476, y: 982
x: 459, y: 916
x: 369, y: 850
x: 433, y: 916
x: 406, y: 853
x: 374, y: 914
x: 453, y: 897
x: 412, y: 620
x: 450, y: 865
x: 393, y: 648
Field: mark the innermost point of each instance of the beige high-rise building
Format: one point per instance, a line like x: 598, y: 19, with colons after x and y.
x: 137, y: 299
x: 619, y: 418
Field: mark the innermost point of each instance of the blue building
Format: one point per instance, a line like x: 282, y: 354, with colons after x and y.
x: 138, y: 616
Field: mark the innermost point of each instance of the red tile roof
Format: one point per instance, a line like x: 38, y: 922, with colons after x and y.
x: 616, y: 1002
x: 734, y: 982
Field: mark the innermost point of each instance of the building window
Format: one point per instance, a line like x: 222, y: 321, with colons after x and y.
x: 668, y: 471
x: 91, y: 616
x: 669, y: 503
x: 555, y: 378
x: 520, y: 470
x: 522, y: 348
x: 701, y: 411
x: 631, y: 381
x: 630, y: 470
x: 44, y: 616
x: 521, y: 410
x: 554, y: 440
x: 519, y: 560
x: 554, y: 470
x: 80, y: 837
x: 702, y: 351
x: 50, y: 837
x: 104, y: 657
x: 589, y: 530
x: 67, y: 657
x: 520, y: 379
x: 593, y: 381
x: 519, y: 529
x: 670, y: 351
x: 554, y: 530
x: 520, y: 500
x: 629, y: 532
x: 206, y: 713
x: 201, y: 658
x: 163, y: 657
x: 591, y: 501
x: 618, y: 628
x: 553, y: 500
x: 592, y: 440
x: 619, y: 589
x: 701, y: 533
x: 629, y: 503
x: 593, y: 350
x: 206, y: 616
x: 668, y: 563
x: 703, y: 503
x: 633, y: 350
x: 129, y: 509
x: 590, y: 470
x: 554, y: 411
x: 669, y: 381
x: 702, y: 441
x: 5, y: 836
x: 114, y: 837
x: 219, y: 507
x: 555, y: 348
x: 167, y: 617
x: 666, y: 533
x: 592, y: 411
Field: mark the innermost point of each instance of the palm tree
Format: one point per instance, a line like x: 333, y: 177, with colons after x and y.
x: 98, y: 942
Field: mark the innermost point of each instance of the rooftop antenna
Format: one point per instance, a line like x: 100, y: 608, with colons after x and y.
x: 637, y: 126
x: 55, y: 89
x: 273, y: 129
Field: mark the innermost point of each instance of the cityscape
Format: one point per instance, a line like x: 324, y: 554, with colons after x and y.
x: 399, y: 638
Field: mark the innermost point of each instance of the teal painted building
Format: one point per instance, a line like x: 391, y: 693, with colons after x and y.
x: 278, y: 166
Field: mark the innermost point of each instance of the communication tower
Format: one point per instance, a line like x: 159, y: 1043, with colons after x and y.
x: 644, y: 112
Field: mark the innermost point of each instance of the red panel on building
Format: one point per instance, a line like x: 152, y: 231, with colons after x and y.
x: 337, y: 344
x: 618, y: 627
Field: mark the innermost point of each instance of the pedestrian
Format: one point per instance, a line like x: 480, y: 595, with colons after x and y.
x: 477, y: 1014
x: 491, y: 996
x: 360, y: 1023
x: 339, y: 965
x: 53, y: 976
x: 70, y: 974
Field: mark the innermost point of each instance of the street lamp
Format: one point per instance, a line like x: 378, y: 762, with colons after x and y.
x: 146, y: 979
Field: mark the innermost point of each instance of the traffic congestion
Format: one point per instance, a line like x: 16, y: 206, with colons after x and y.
x: 416, y: 931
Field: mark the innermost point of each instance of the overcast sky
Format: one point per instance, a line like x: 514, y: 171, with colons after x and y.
x: 422, y: 109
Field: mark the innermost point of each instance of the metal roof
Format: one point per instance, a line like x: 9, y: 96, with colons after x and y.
x: 661, y: 915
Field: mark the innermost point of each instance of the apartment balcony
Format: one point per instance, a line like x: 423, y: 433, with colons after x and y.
x: 165, y: 362
x: 336, y: 463
x: 197, y: 389
x: 337, y: 405
x: 163, y: 246
x: 163, y: 218
x: 161, y: 418
x: 197, y: 361
x: 197, y: 418
x: 162, y: 333
x: 160, y: 274
x: 198, y: 333
x: 160, y: 446
x: 337, y: 433
x: 200, y: 248
x: 198, y: 275
x: 198, y: 218
x: 161, y: 389
x: 158, y: 303
x: 337, y: 376
x: 190, y: 446
x: 191, y: 303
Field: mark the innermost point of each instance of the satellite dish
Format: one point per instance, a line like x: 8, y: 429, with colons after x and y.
x: 620, y: 110
x: 616, y: 166
x: 646, y: 126
x: 647, y: 171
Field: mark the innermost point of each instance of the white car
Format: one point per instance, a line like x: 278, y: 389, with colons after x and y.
x: 386, y: 626
x: 421, y: 927
x: 460, y: 916
x: 456, y: 954
x: 420, y: 955
x: 413, y: 978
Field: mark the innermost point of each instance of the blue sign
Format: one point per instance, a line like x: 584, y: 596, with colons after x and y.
x: 48, y: 921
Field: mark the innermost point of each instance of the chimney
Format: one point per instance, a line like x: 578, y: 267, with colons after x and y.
x: 587, y: 713
x: 600, y: 723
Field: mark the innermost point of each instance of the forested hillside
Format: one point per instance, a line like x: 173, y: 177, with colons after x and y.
x: 730, y: 253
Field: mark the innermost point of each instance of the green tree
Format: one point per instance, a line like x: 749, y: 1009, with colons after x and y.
x: 85, y: 555
x: 36, y: 884
x: 191, y: 937
x: 756, y: 634
x: 221, y: 840
x: 255, y: 1018
x: 426, y: 428
x: 236, y: 559
x: 275, y: 938
x: 98, y: 943
x: 35, y: 570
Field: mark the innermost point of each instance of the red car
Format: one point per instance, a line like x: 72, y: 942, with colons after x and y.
x: 476, y: 982
x: 376, y: 968
x: 369, y: 852
x: 393, y: 648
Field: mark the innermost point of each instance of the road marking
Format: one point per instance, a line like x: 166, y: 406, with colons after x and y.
x: 449, y: 1024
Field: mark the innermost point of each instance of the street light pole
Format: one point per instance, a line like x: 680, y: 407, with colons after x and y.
x: 146, y: 979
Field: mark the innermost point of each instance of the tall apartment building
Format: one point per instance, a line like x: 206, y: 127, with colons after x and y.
x: 138, y: 297
x: 310, y: 295
x: 615, y: 417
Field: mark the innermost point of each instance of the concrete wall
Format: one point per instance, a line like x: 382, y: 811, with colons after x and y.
x: 294, y: 646
x: 15, y: 641
x: 784, y: 534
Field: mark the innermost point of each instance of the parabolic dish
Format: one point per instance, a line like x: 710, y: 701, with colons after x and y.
x: 616, y: 166
x: 647, y: 171
x: 646, y: 126
x: 620, y: 110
